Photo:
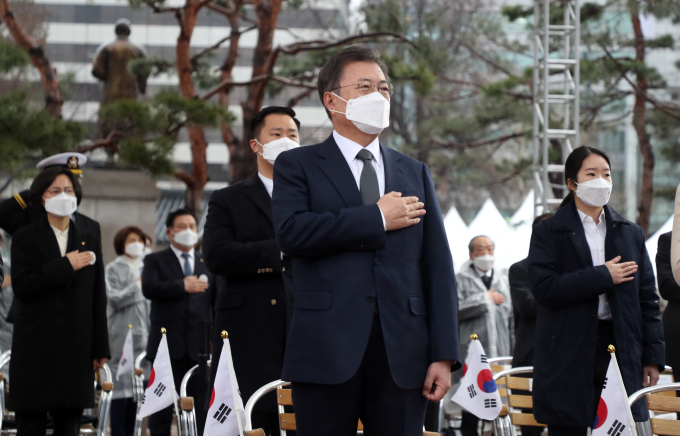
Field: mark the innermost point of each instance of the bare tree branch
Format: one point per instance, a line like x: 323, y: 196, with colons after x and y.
x: 476, y: 144
x: 264, y: 77
x: 110, y: 143
x: 298, y: 98
x: 298, y: 47
x: 485, y: 59
x: 217, y: 45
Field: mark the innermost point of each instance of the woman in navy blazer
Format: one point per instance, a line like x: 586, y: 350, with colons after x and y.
x: 573, y: 329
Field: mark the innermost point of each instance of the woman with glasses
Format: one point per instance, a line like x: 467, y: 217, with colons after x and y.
x: 60, y: 332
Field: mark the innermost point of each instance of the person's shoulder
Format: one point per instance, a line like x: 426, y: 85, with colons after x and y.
x: 156, y: 256
x: 396, y: 155
x: 519, y: 267
x: 228, y: 191
x: 666, y: 238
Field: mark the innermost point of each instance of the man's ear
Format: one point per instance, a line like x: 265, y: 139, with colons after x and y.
x: 253, y: 146
x: 329, y: 102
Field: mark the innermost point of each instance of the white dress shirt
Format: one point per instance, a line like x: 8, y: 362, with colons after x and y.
x: 350, y: 149
x: 595, y: 236
x: 268, y: 183
x: 62, y: 239
x: 192, y: 258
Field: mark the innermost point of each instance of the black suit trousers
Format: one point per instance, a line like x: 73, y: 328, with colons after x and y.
x: 161, y: 422
x: 371, y: 394
x: 65, y: 422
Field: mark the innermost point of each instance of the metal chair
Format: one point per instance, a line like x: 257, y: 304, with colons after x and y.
x: 657, y: 401
x: 286, y: 420
x: 103, y: 409
x: 187, y: 418
x: 505, y: 424
x: 138, y: 391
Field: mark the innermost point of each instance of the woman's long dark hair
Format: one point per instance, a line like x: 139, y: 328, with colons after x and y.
x: 574, y: 164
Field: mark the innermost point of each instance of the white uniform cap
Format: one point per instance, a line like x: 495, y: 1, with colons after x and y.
x: 70, y: 160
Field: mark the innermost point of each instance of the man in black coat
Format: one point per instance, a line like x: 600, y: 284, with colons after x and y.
x: 669, y: 289
x: 254, y: 294
x: 180, y: 288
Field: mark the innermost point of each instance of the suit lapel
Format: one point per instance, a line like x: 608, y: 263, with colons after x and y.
x: 173, y: 261
x: 50, y: 248
x: 394, y: 173
x: 334, y: 165
x: 74, y: 238
x: 199, y: 265
x: 256, y: 191
x: 614, y: 222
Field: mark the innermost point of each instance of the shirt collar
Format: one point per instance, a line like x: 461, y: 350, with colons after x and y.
x: 179, y: 253
x: 482, y: 273
x: 268, y: 183
x: 587, y: 219
x: 60, y: 232
x: 350, y: 149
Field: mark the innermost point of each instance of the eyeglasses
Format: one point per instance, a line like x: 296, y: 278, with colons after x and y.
x: 57, y: 191
x: 366, y: 87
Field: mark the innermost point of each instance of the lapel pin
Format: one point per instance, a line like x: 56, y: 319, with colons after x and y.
x: 83, y: 242
x: 201, y: 260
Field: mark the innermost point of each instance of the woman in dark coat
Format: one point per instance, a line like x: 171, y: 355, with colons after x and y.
x: 60, y: 318
x: 591, y: 275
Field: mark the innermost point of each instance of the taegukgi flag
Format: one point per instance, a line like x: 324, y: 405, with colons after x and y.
x: 478, y: 393
x: 161, y: 390
x: 226, y: 416
x: 613, y: 417
x: 126, y: 364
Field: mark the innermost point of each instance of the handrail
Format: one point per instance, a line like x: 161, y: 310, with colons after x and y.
x: 185, y: 381
x: 269, y: 387
x: 497, y: 360
x: 513, y: 371
x: 139, y: 358
x: 5, y: 358
x: 652, y: 389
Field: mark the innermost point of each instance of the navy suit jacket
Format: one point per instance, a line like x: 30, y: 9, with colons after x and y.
x: 172, y: 307
x: 344, y: 260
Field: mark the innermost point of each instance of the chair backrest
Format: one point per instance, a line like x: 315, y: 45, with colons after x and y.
x: 512, y: 382
x: 498, y: 364
x: 658, y: 401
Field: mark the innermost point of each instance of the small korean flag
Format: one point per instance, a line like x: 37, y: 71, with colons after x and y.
x: 161, y: 390
x: 613, y: 416
x: 126, y: 363
x: 478, y: 393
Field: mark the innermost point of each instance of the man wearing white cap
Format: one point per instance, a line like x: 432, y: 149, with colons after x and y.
x: 16, y: 212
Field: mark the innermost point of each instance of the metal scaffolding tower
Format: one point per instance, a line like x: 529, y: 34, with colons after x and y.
x: 555, y: 97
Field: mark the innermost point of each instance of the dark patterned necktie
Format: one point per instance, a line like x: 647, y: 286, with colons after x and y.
x: 368, y: 183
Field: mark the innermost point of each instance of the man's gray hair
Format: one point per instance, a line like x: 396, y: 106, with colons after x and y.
x: 471, y: 245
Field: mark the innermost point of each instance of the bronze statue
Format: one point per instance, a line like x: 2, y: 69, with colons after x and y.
x: 111, y: 66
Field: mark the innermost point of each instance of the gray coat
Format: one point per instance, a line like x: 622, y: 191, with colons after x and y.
x: 126, y: 305
x: 477, y: 314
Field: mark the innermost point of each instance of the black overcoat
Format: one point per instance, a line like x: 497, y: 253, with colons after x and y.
x: 255, y: 283
x: 670, y: 290
x: 60, y: 319
x: 525, y: 310
x: 567, y: 286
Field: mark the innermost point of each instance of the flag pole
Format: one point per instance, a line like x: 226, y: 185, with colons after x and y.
x: 174, y: 391
x: 132, y: 371
x: 631, y: 423
x: 232, y: 379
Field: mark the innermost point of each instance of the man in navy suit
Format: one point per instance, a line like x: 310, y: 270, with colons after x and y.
x: 374, y: 332
x: 181, y: 291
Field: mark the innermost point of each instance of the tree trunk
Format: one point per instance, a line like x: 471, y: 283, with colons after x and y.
x: 48, y: 75
x: 242, y: 161
x: 199, y: 164
x: 647, y: 193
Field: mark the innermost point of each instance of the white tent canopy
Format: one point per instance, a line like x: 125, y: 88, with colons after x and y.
x: 458, y: 236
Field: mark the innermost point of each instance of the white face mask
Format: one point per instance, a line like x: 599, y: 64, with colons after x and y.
x: 594, y: 193
x: 134, y: 249
x: 370, y: 113
x: 186, y: 238
x: 484, y: 263
x: 61, y: 205
x: 272, y: 149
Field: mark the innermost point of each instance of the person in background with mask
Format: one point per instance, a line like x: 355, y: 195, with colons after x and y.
x: 181, y: 291
x: 485, y: 309
x: 127, y: 307
x: 6, y: 298
x: 593, y: 280
x: 374, y: 332
x: 254, y: 300
x: 60, y: 311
